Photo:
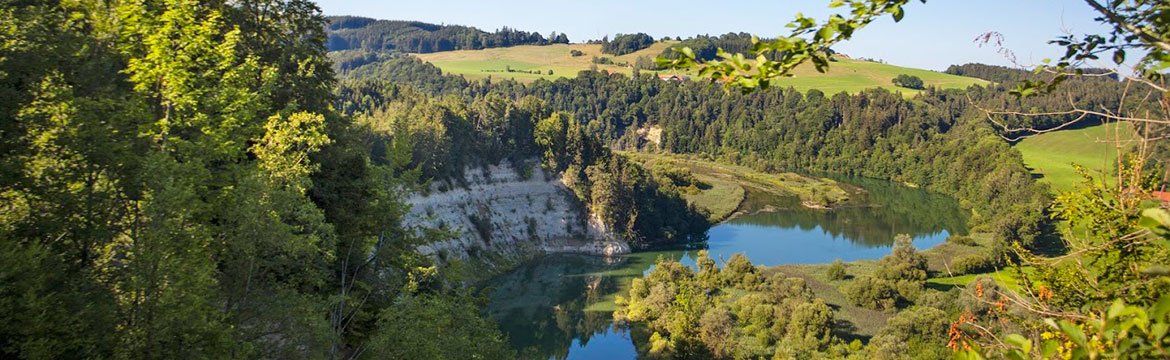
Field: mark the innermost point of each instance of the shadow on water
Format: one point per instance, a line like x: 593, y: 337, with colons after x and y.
x: 561, y: 307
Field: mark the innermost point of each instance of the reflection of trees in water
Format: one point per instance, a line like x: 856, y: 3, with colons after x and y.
x: 891, y: 210
x: 541, y: 306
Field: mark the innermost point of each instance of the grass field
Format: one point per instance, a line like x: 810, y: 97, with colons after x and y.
x: 844, y: 75
x: 1052, y: 155
x: 473, y: 63
x: 729, y: 184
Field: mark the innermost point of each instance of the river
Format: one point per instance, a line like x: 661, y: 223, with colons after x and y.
x: 560, y: 307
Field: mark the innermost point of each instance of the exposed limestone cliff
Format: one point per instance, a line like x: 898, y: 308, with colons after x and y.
x: 500, y: 217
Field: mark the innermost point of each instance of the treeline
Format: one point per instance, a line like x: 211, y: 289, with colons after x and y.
x: 206, y: 202
x: 626, y: 43
x: 354, y: 33
x: 936, y: 141
x: 706, y: 46
x: 1101, y: 92
x: 449, y: 135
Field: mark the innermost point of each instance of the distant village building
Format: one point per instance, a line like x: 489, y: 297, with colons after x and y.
x: 673, y: 77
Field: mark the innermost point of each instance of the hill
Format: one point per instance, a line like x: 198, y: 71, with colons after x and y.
x: 533, y: 62
x: 1052, y: 155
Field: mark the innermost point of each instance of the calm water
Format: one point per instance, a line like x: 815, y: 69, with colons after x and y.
x: 560, y: 307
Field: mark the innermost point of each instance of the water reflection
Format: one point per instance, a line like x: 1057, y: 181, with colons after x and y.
x: 560, y: 307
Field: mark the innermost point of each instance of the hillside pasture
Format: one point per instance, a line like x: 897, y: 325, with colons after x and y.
x: 844, y: 75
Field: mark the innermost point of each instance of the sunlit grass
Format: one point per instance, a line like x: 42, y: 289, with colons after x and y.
x: 844, y: 75
x: 1052, y: 155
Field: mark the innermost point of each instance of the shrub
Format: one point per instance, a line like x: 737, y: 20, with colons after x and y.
x: 962, y: 240
x: 483, y: 225
x: 908, y: 81
x: 904, y: 263
x: 872, y: 293
x: 739, y: 272
x: 973, y: 264
x: 837, y: 270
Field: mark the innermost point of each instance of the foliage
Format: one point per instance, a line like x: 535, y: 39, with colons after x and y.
x: 430, y: 326
x: 176, y: 184
x: 837, y: 271
x: 693, y: 314
x: 908, y: 81
x: 626, y: 197
x: 962, y: 240
x: 872, y: 293
x: 706, y: 47
x: 626, y: 43
x: 352, y: 33
x: 973, y: 264
x: 917, y: 332
x: 904, y: 262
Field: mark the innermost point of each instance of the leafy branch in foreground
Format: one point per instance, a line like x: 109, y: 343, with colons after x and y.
x: 808, y: 41
x: 1136, y: 25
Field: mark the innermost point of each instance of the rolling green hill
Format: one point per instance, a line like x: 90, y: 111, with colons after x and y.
x: 844, y: 75
x: 1053, y: 154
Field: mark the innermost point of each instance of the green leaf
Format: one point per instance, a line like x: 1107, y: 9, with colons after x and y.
x: 1119, y: 56
x: 898, y: 13
x: 1157, y: 220
x: 1161, y: 308
x: 1019, y: 341
x: 1074, y: 333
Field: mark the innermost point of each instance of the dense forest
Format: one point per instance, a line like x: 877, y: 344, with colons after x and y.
x: 176, y: 184
x: 359, y: 33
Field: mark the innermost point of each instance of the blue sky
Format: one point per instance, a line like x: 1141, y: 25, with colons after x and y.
x: 932, y: 35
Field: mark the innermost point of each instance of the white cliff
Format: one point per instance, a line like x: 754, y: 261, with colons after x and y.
x: 497, y: 216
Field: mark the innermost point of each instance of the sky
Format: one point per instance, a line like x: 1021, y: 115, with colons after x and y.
x: 931, y: 36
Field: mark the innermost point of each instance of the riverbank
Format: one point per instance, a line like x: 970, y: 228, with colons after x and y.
x: 727, y: 187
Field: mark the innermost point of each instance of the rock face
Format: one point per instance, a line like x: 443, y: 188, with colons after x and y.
x: 499, y: 216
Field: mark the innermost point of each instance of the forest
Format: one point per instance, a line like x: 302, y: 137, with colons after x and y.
x: 176, y: 184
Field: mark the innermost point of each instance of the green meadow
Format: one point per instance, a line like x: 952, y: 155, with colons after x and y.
x: 844, y: 75
x: 1052, y: 155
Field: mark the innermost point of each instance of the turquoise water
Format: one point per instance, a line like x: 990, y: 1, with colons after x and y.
x: 560, y: 307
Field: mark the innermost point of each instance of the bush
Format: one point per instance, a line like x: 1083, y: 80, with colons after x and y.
x: 872, y: 293
x: 962, y: 240
x: 904, y: 263
x: 576, y: 53
x: 908, y: 81
x: 973, y: 264
x: 837, y: 270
